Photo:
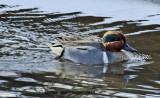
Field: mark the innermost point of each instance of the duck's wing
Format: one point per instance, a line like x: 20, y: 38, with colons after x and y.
x: 56, y: 48
x: 76, y: 40
x: 71, y: 37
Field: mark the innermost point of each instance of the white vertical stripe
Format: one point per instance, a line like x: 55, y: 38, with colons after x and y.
x: 105, y: 58
x: 105, y: 68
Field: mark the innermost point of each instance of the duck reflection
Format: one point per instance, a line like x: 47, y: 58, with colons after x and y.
x: 114, y: 75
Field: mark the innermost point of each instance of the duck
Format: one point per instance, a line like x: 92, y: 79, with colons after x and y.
x: 111, y: 47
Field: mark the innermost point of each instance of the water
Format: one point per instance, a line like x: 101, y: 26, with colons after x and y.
x: 29, y: 69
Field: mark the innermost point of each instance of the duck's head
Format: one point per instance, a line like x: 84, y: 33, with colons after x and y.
x: 115, y: 41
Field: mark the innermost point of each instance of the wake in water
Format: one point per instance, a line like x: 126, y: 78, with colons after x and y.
x: 137, y: 56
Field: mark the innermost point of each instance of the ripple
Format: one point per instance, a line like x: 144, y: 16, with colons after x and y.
x: 25, y: 79
x: 59, y: 85
x: 147, y: 87
x: 9, y: 94
x: 154, y: 91
x: 158, y: 82
x: 129, y: 95
x: 3, y: 81
x: 9, y: 74
x: 30, y: 89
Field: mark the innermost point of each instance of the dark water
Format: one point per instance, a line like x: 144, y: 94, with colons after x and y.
x: 28, y: 68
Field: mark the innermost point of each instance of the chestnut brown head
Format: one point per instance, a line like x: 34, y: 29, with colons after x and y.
x: 115, y: 41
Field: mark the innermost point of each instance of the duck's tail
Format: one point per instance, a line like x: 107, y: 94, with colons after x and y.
x: 56, y: 48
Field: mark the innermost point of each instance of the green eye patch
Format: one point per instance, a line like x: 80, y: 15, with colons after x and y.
x: 111, y: 38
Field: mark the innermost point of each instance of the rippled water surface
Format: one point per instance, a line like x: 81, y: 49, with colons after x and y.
x: 29, y: 69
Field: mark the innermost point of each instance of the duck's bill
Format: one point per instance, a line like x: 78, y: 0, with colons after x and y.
x: 129, y: 48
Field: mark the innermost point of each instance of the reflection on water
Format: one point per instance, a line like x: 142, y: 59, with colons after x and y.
x: 29, y: 69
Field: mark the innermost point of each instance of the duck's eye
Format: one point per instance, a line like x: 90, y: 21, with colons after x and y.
x: 111, y: 38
